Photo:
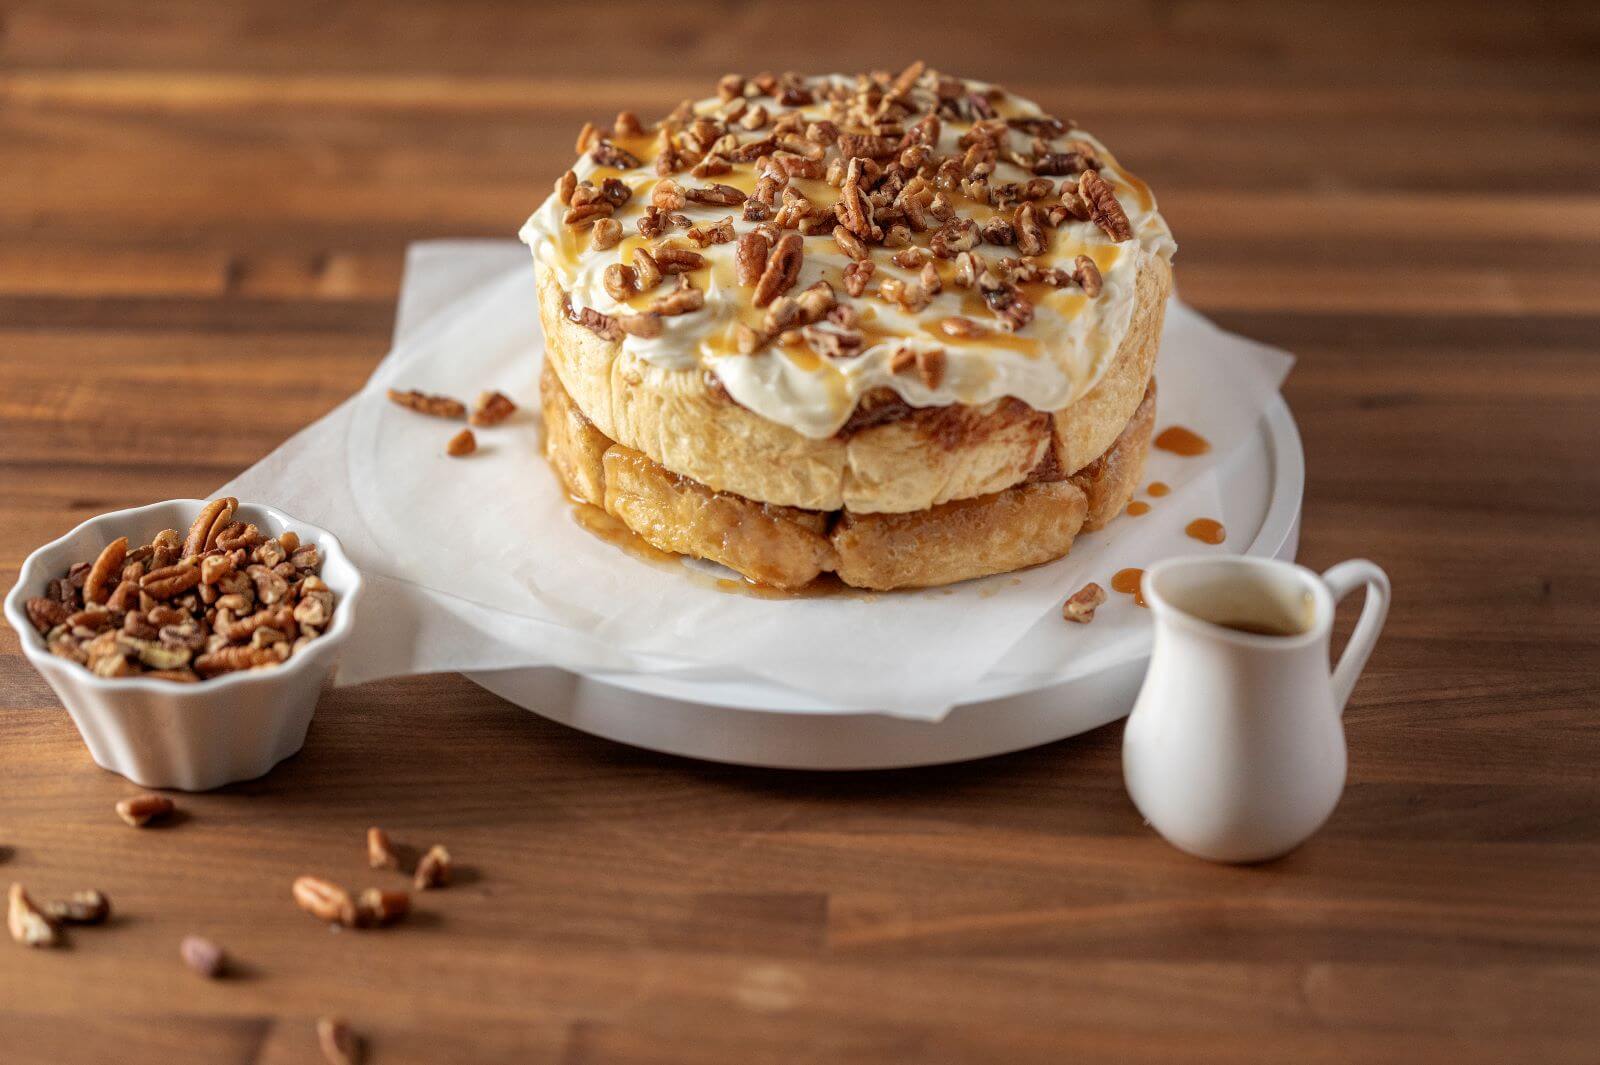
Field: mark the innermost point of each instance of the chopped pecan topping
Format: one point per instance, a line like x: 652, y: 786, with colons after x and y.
x: 627, y: 125
x: 607, y: 154
x: 607, y: 233
x: 720, y: 232
x: 867, y: 146
x: 566, y: 184
x: 683, y: 300
x: 668, y: 195
x: 857, y: 275
x: 678, y: 260
x: 601, y: 325
x: 928, y: 362
x: 849, y: 243
x: 831, y: 341
x: 1030, y: 233
x: 721, y: 195
x: 750, y: 256
x: 644, y: 326
x: 1103, y: 207
x: 782, y: 269
x: 620, y: 281
x: 1088, y: 276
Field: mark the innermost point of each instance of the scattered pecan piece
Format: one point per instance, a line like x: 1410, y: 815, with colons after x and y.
x: 422, y: 403
x: 203, y: 956
x: 492, y: 408
x: 324, y: 900
x: 461, y: 445
x: 375, y: 907
x: 380, y: 851
x: 1080, y: 606
x: 434, y: 869
x: 140, y: 810
x: 81, y: 907
x: 340, y: 1044
x: 26, y: 922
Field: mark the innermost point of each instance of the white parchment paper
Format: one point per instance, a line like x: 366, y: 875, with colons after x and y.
x: 477, y: 564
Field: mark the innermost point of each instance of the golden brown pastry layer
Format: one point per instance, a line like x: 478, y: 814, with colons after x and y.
x: 788, y: 547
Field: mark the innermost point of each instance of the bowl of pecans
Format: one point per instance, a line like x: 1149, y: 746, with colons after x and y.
x: 189, y: 640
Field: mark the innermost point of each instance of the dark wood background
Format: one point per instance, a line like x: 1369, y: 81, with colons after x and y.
x: 203, y: 210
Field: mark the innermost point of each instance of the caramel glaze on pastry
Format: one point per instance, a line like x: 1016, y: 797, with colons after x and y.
x: 900, y: 328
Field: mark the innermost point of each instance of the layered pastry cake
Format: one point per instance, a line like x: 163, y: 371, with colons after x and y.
x: 898, y: 328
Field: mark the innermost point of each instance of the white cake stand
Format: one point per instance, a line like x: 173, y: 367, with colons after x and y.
x: 1019, y: 705
x: 753, y: 724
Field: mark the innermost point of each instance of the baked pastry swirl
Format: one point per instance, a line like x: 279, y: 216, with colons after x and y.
x: 900, y: 328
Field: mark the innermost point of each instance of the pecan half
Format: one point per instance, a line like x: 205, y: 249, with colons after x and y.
x: 1088, y: 276
x: 749, y: 259
x: 96, y: 585
x: 678, y: 260
x: 174, y: 580
x: 722, y: 195
x: 324, y: 900
x: 782, y: 269
x: 212, y: 519
x: 1104, y: 210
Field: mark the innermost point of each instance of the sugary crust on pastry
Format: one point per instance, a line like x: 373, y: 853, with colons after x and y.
x: 685, y: 422
x: 788, y: 548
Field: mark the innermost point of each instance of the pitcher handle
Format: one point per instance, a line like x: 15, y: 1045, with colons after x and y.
x: 1341, y: 580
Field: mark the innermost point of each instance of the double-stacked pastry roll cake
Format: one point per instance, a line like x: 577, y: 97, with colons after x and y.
x: 897, y: 328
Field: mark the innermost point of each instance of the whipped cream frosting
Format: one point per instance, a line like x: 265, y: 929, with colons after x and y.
x: 1049, y: 363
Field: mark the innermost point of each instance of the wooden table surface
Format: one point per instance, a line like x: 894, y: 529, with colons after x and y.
x: 203, y: 212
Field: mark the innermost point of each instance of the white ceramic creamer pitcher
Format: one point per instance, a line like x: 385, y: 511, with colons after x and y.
x: 1235, y: 749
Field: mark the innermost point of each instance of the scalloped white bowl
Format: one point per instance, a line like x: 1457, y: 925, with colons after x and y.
x: 192, y: 737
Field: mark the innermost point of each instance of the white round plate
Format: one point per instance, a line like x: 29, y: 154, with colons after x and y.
x: 1014, y: 708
